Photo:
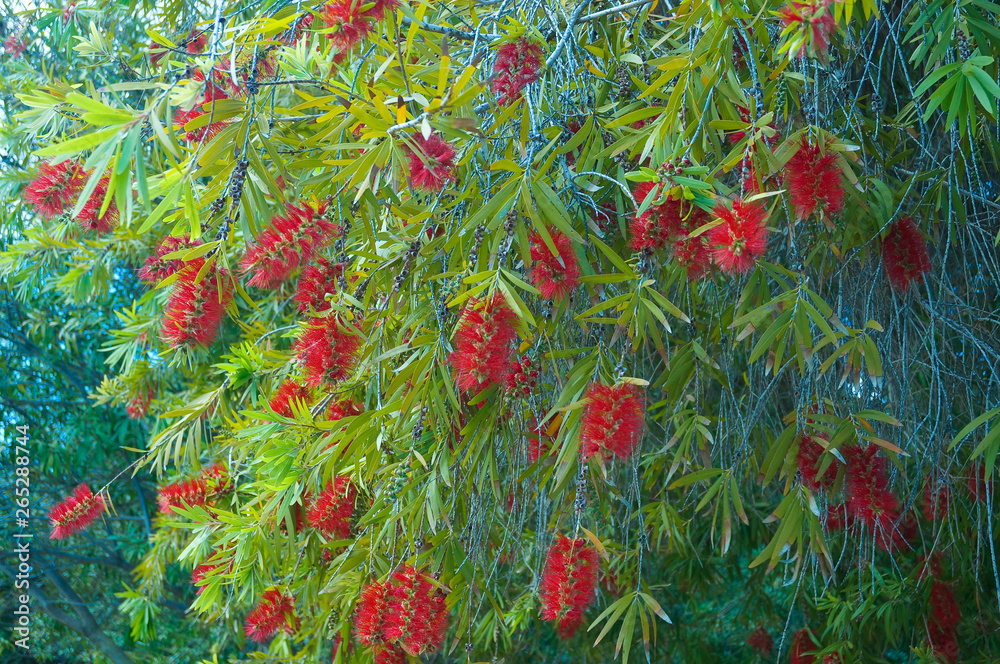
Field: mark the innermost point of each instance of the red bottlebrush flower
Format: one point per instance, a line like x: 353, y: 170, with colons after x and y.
x: 314, y: 284
x: 198, y: 575
x: 937, y: 498
x: 977, y: 482
x: 349, y: 23
x: 760, y: 641
x: 539, y: 442
x: 741, y: 238
x: 303, y: 23
x: 810, y: 451
x: 568, y: 583
x: 90, y: 217
x: 75, y: 513
x: 432, y: 162
x: 613, y: 421
x: 196, y: 309
x: 272, y: 613
x: 343, y: 408
x: 292, y: 240
x: 836, y: 517
x: 660, y: 223
x: 869, y: 499
x: 289, y: 391
x: 327, y: 352
x: 522, y: 377
x: 942, y: 633
x: 197, y: 134
x: 814, y: 182
x: 904, y: 255
x: 555, y: 277
x: 518, y: 64
x: 382, y: 7
x: 196, y: 42
x: 156, y: 268
x: 735, y: 137
x: 813, y: 21
x: 55, y: 188
x: 15, y: 45
x: 331, y: 512
x: 201, y: 490
x: 484, y: 343
x: 802, y: 645
x: 138, y: 405
x: 406, y: 614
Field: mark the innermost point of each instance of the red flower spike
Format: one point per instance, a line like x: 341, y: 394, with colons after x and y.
x: 483, y: 345
x: 613, y: 421
x: 75, y: 513
x: 315, y: 283
x: 741, y: 238
x: 522, y: 377
x: 202, y: 490
x: 936, y: 499
x: 802, y: 644
x: 568, y: 583
x: 348, y: 22
x: 344, y: 408
x: 15, y: 45
x: 405, y: 615
x: 942, y: 632
x: 555, y: 277
x: 55, y: 188
x: 198, y: 575
x: 289, y: 391
x: 138, y: 405
x: 814, y: 182
x: 270, y: 615
x: 291, y: 241
x: 90, y: 217
x: 904, y: 255
x: 869, y: 499
x: 517, y: 65
x: 328, y: 352
x: 196, y: 309
x: 810, y: 451
x: 977, y: 482
x: 539, y: 443
x: 432, y: 162
x: 815, y: 21
x: 332, y: 510
x: 761, y: 642
x: 156, y: 268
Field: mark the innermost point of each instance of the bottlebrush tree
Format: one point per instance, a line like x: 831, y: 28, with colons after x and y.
x: 477, y: 332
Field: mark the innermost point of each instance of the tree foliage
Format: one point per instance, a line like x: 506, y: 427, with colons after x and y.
x: 664, y: 329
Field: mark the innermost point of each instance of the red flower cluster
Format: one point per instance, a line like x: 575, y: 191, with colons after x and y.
x: 288, y: 391
x: 406, y: 615
x: 814, y: 20
x: 555, y: 277
x: 432, y: 162
x: 198, y: 575
x: 331, y: 512
x: 942, y: 628
x: 937, y: 498
x: 539, y: 442
x: 810, y: 451
x: 904, y: 255
x: 568, y: 583
x: 802, y: 644
x: 156, y: 268
x: 741, y: 238
x: 760, y: 641
x: 314, y: 284
x: 737, y: 136
x: 814, y: 181
x: 518, y: 64
x: 343, y: 408
x: 977, y: 482
x: 484, y: 343
x: 521, y: 378
x: 138, y: 405
x: 352, y: 22
x: 274, y: 612
x: 613, y: 421
x: 90, y: 217
x: 55, y: 188
x: 15, y: 45
x: 327, y: 352
x: 292, y: 240
x: 206, y: 132
x: 201, y: 490
x: 671, y: 223
x: 194, y: 44
x: 196, y: 308
x: 75, y: 513
x: 869, y: 499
